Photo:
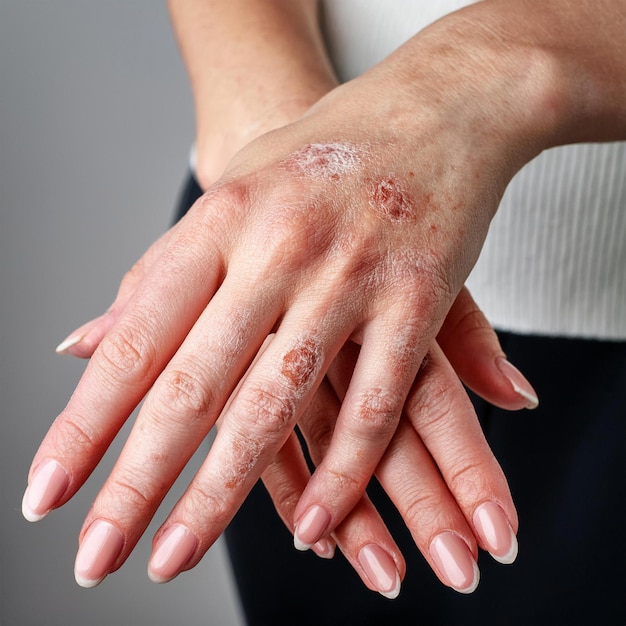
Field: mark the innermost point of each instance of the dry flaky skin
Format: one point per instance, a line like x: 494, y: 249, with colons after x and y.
x: 359, y: 219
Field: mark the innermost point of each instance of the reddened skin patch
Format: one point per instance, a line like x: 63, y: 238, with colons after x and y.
x: 390, y: 201
x: 301, y: 363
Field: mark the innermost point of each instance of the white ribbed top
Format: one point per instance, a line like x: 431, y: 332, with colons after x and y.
x: 555, y: 258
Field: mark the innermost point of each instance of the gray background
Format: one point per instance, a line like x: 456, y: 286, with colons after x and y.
x: 95, y: 127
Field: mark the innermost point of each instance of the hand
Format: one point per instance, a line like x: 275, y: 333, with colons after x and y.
x: 321, y: 231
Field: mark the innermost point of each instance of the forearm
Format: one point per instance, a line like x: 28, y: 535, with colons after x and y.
x: 528, y: 74
x: 254, y: 65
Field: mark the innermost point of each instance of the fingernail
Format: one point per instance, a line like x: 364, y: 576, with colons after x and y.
x: 311, y: 527
x: 45, y: 489
x: 172, y: 552
x: 324, y: 548
x: 496, y: 533
x: 97, y: 553
x: 66, y: 344
x: 455, y: 562
x: 380, y: 569
x: 520, y: 385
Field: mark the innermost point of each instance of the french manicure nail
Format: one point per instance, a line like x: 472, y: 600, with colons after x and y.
x: 46, y: 487
x: 496, y: 533
x: 519, y: 383
x: 66, y: 344
x: 172, y: 552
x: 380, y: 569
x: 311, y: 527
x: 98, y: 551
x: 455, y: 562
x: 324, y: 548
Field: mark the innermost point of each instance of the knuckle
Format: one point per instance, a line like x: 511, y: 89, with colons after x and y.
x: 422, y: 278
x: 319, y: 433
x: 338, y: 481
x: 130, y: 492
x: 204, y: 506
x: 423, y: 511
x: 378, y: 410
x: 432, y: 406
x: 181, y: 393
x: 224, y: 197
x: 467, y: 477
x: 267, y: 410
x: 126, y: 351
x: 281, y: 490
x: 75, y: 435
x: 472, y: 323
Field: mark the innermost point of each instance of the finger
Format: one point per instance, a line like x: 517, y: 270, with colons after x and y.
x: 472, y: 347
x: 369, y: 416
x: 256, y: 425
x: 363, y: 536
x: 84, y: 340
x: 124, y: 366
x: 443, y: 417
x: 176, y: 416
x: 285, y: 479
x: 411, y: 479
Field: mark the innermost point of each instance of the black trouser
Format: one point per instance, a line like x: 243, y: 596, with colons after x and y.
x: 565, y: 462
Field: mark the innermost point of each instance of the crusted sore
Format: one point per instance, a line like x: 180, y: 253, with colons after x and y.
x: 390, y: 201
x: 327, y: 160
x: 301, y: 363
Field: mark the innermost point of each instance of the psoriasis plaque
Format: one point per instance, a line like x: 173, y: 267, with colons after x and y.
x: 390, y: 201
x: 301, y: 363
x: 325, y: 160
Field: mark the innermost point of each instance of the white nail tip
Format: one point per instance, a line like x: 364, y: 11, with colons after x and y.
x: 27, y: 513
x: 298, y: 545
x: 395, y: 592
x: 86, y: 583
x: 159, y: 580
x: 511, y: 555
x: 474, y: 584
x: 324, y: 549
x: 68, y: 343
x: 533, y: 400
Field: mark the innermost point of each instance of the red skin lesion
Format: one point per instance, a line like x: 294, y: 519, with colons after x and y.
x: 300, y: 363
x: 390, y: 200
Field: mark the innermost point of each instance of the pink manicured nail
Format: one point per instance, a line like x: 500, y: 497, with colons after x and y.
x: 66, y: 344
x: 496, y: 533
x: 172, y: 552
x: 455, y: 562
x: 97, y: 553
x: 324, y: 548
x: 311, y: 527
x: 44, y: 490
x: 380, y: 569
x: 519, y: 383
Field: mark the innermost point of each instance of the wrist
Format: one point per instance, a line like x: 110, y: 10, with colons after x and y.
x: 515, y: 78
